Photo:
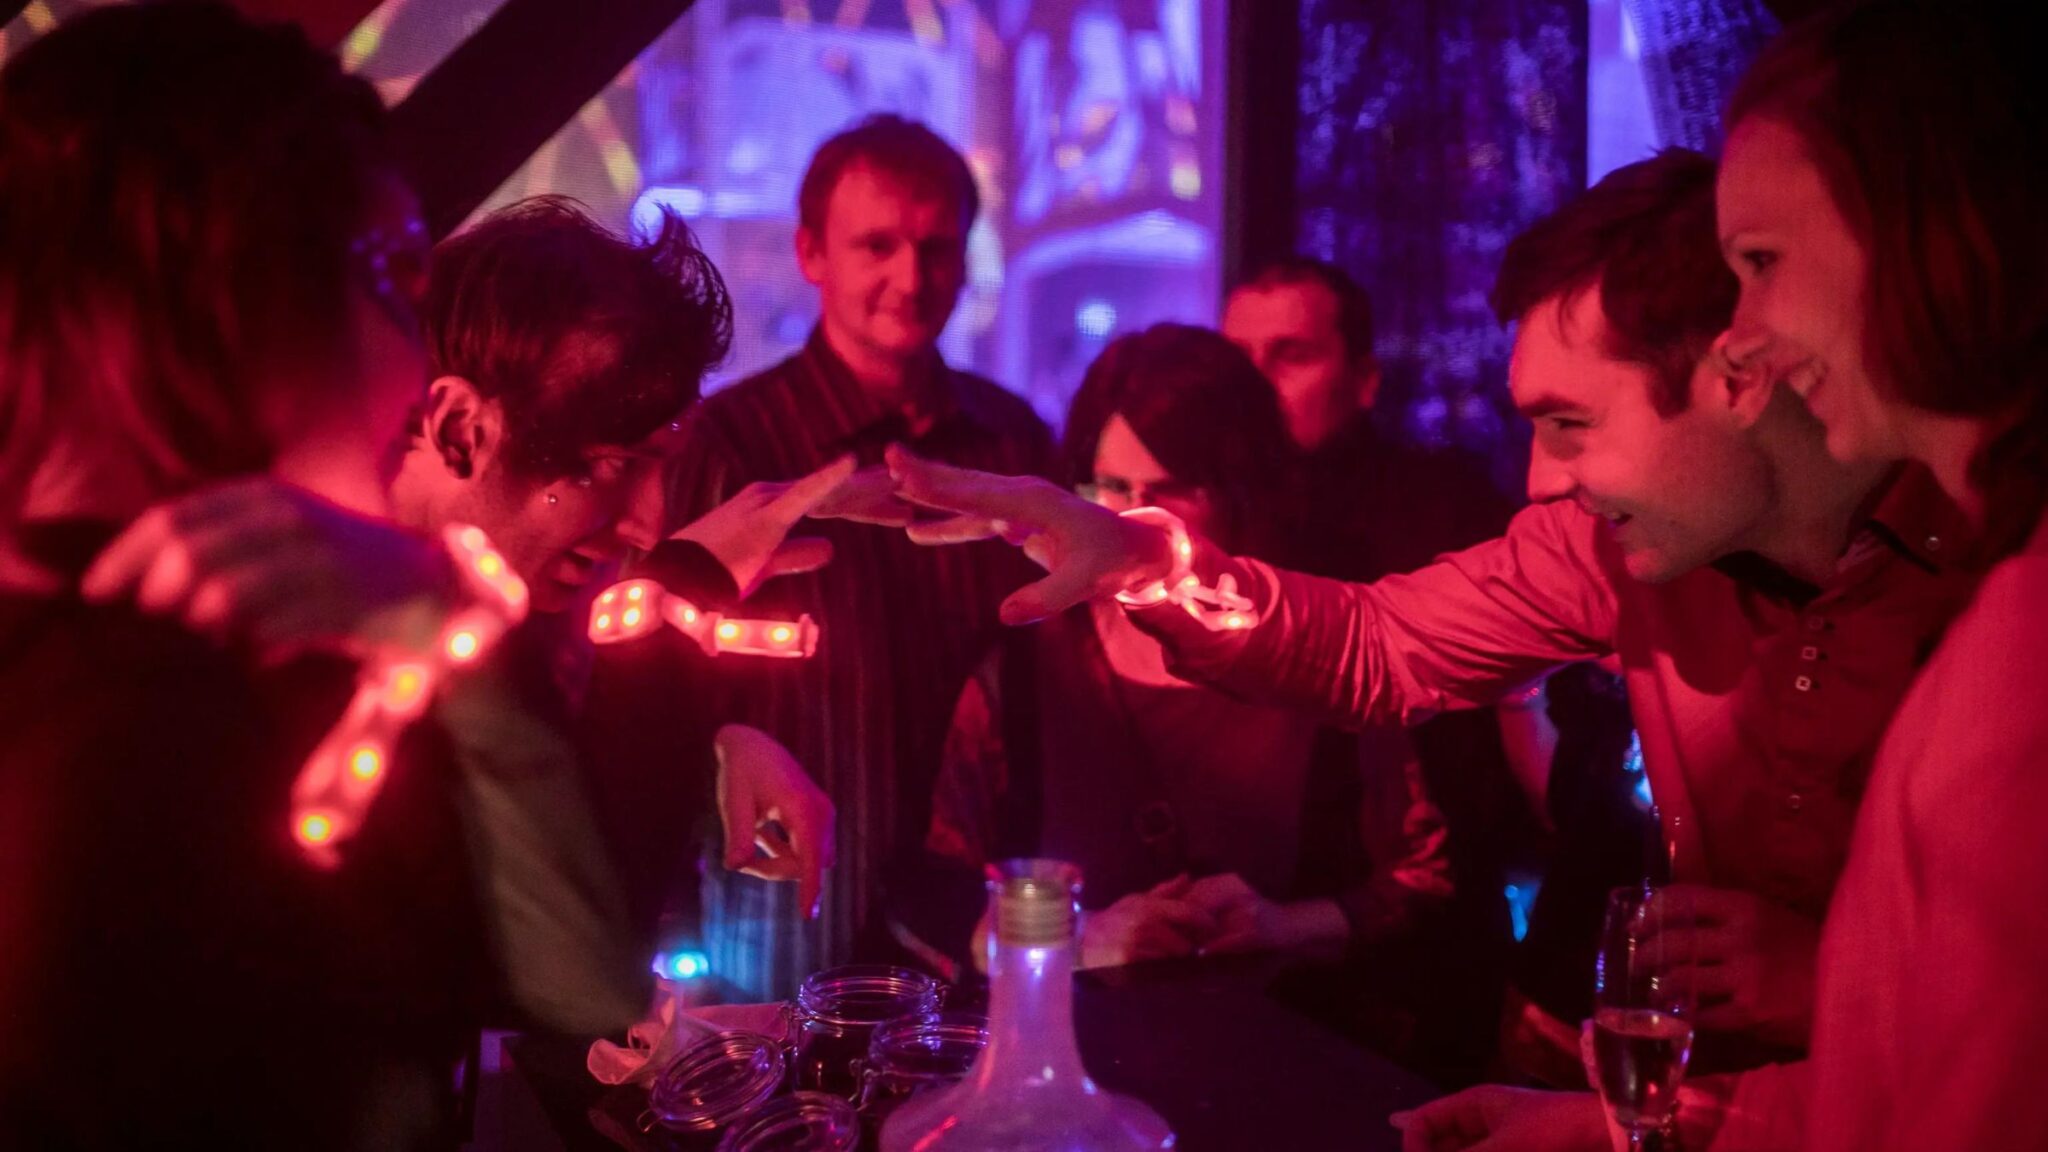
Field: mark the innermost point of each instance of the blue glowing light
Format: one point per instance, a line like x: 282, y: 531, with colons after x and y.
x: 684, y: 965
x: 1632, y: 763
x: 1095, y: 318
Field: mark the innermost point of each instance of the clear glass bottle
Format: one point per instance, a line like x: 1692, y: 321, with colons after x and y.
x: 836, y: 1014
x: 1028, y: 1092
x: 800, y: 1122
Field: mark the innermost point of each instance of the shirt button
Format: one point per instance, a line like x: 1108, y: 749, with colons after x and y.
x: 1816, y: 623
x: 1794, y: 801
x: 1934, y: 543
x: 1804, y: 683
x: 1809, y: 652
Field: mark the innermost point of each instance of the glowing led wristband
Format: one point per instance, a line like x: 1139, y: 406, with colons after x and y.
x: 634, y: 608
x: 1219, y: 609
x: 344, y: 774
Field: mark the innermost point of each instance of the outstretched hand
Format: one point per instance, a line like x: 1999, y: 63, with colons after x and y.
x: 749, y: 534
x: 1086, y: 550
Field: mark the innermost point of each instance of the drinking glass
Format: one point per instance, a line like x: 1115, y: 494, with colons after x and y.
x: 1643, y: 1004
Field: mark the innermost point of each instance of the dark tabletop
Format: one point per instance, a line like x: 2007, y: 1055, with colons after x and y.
x: 1231, y: 1068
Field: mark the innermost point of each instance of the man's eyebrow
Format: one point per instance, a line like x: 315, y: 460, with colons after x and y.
x: 1548, y: 404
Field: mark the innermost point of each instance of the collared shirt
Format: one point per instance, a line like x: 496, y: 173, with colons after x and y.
x: 1759, y: 702
x: 903, y: 626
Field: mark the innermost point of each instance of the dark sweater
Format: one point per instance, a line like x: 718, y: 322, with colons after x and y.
x: 172, y: 972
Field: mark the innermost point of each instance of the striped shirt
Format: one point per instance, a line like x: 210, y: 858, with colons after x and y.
x: 902, y: 628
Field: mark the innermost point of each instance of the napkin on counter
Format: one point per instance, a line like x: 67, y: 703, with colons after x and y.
x: 670, y: 1028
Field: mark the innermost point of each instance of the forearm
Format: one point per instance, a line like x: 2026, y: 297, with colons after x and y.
x: 1460, y: 633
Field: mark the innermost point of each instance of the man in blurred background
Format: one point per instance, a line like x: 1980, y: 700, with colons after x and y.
x: 884, y: 211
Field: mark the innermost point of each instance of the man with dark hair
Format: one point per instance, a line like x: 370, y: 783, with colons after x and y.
x: 1308, y: 326
x: 1767, y: 605
x: 563, y: 358
x: 884, y: 214
x: 1375, y: 506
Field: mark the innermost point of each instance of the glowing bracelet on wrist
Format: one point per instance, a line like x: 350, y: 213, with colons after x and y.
x: 344, y: 774
x: 634, y: 608
x: 1219, y: 609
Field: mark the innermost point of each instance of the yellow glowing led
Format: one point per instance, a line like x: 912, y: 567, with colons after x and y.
x: 632, y: 616
x: 728, y: 631
x: 635, y: 592
x: 780, y: 633
x: 604, y: 621
x: 608, y: 597
x: 489, y: 564
x: 366, y: 762
x: 1233, y: 621
x: 406, y: 685
x: 473, y: 538
x: 689, y: 615
x: 316, y: 828
x: 462, y: 645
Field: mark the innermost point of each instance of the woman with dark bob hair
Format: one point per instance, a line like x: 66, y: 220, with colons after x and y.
x: 1201, y: 823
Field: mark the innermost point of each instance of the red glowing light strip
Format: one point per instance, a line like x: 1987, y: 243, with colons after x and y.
x: 344, y: 774
x: 634, y: 608
x: 1219, y: 609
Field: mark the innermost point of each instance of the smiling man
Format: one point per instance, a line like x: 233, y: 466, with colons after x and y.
x: 883, y: 216
x: 1767, y: 605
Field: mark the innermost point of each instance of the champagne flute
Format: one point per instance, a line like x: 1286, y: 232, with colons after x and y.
x: 1643, y: 1011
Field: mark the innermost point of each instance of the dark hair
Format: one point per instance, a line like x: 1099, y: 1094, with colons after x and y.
x: 1207, y: 413
x: 1645, y: 237
x: 904, y: 149
x: 1925, y: 121
x: 179, y: 192
x: 583, y: 336
x: 1354, y: 304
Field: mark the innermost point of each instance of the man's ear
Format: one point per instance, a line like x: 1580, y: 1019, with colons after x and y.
x: 810, y: 254
x: 464, y: 429
x: 1368, y: 369
x: 1744, y: 396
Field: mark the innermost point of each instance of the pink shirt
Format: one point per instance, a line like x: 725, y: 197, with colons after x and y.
x: 1932, y: 1024
x: 1758, y: 708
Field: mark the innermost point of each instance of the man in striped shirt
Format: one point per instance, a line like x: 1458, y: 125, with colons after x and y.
x: 884, y: 211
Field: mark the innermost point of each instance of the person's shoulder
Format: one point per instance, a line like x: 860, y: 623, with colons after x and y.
x: 764, y: 386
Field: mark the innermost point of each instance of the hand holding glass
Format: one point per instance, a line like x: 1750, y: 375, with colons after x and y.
x: 1643, y: 1011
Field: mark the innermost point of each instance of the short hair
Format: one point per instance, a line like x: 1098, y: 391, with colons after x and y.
x: 905, y: 149
x: 182, y: 191
x: 583, y: 336
x: 1644, y: 237
x: 1208, y: 414
x: 1925, y: 121
x: 1354, y: 303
